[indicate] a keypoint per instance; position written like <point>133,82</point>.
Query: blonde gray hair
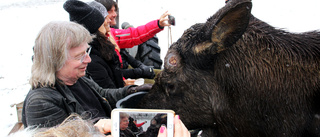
<point>124,115</point>
<point>72,126</point>
<point>51,50</point>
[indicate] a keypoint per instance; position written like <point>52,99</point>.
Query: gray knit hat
<point>99,7</point>
<point>84,14</point>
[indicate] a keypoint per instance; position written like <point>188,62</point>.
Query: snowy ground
<point>21,20</point>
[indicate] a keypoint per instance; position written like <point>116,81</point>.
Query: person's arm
<point>114,95</point>
<point>111,94</point>
<point>44,108</point>
<point>144,72</point>
<point>140,124</point>
<point>130,59</point>
<point>131,73</point>
<point>139,69</point>
<point>127,38</point>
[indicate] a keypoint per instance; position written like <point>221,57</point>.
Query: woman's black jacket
<point>106,73</point>
<point>47,107</point>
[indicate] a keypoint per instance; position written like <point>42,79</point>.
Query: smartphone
<point>141,122</point>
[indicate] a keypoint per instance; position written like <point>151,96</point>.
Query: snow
<point>21,21</point>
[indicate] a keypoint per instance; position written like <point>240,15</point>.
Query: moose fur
<point>237,76</point>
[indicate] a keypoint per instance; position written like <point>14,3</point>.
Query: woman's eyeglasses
<point>84,56</point>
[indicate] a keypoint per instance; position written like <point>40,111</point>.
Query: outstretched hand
<point>163,21</point>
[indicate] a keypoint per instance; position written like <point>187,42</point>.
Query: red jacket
<point>140,124</point>
<point>127,38</point>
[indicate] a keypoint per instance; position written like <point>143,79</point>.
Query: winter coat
<point>47,107</point>
<point>127,38</point>
<point>106,74</point>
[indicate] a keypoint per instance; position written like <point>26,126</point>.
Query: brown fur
<point>238,76</point>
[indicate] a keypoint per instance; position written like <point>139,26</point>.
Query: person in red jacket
<point>127,38</point>
<point>112,9</point>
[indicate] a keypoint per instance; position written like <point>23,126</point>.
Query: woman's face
<point>76,64</point>
<point>103,28</point>
<point>124,123</point>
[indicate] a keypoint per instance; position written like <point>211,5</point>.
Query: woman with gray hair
<point>72,126</point>
<point>59,83</point>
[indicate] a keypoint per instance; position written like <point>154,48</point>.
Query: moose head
<point>236,75</point>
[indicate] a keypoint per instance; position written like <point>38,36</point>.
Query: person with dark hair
<point>105,62</point>
<point>127,38</point>
<point>112,8</point>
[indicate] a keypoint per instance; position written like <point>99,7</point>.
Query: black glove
<point>147,72</point>
<point>144,87</point>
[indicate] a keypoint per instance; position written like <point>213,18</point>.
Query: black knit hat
<point>84,14</point>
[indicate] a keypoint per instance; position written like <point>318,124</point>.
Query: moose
<point>237,76</point>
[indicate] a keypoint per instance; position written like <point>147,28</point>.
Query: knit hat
<point>84,14</point>
<point>99,7</point>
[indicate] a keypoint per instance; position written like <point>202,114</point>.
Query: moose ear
<point>228,26</point>
<point>231,26</point>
